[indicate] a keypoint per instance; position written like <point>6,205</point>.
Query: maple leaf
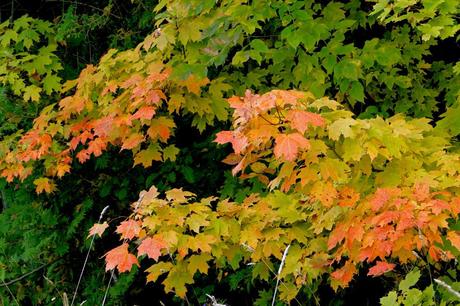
<point>194,85</point>
<point>44,184</point>
<point>454,238</point>
<point>421,191</point>
<point>160,128</point>
<point>287,145</point>
<point>344,275</point>
<point>147,156</point>
<point>145,112</point>
<point>120,258</point>
<point>382,196</point>
<point>83,156</point>
<point>98,229</point>
<point>129,229</point>
<point>96,146</point>
<point>342,127</point>
<point>62,169</point>
<point>178,195</point>
<point>152,246</point>
<point>132,141</point>
<point>111,87</point>
<point>238,141</point>
<point>380,268</point>
<point>158,269</point>
<point>300,119</point>
<point>199,263</point>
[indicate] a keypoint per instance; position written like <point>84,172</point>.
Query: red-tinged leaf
<point>152,247</point>
<point>336,236</point>
<point>111,87</point>
<point>454,238</point>
<point>345,274</point>
<point>132,141</point>
<point>160,128</point>
<point>238,141</point>
<point>380,268</point>
<point>97,146</point>
<point>382,196</point>
<point>145,112</point>
<point>300,119</point>
<point>129,229</point>
<point>288,145</point>
<point>421,191</point>
<point>103,126</point>
<point>434,253</point>
<point>83,156</point>
<point>98,229</point>
<point>44,184</point>
<point>120,258</point>
<point>224,137</point>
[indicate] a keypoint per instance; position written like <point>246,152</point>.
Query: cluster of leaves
<point>406,295</point>
<point>305,45</point>
<point>29,65</point>
<point>432,18</point>
<point>343,194</point>
<point>333,209</point>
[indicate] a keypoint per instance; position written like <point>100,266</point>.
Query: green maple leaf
<point>357,91</point>
<point>170,152</point>
<point>199,263</point>
<point>32,93</point>
<point>342,127</point>
<point>177,278</point>
<point>28,37</point>
<point>147,156</point>
<point>8,36</point>
<point>51,83</point>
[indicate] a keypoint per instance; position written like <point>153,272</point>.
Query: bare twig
<point>87,256</point>
<point>11,293</point>
<point>448,287</point>
<point>283,259</point>
<point>5,284</point>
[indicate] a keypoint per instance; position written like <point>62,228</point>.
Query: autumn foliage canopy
<point>335,155</point>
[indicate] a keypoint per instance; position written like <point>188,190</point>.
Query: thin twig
<point>11,293</point>
<point>5,284</point>
<point>87,256</point>
<point>448,287</point>
<point>113,270</point>
<point>283,259</point>
<point>108,287</point>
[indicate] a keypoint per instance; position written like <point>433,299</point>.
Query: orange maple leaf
<point>145,112</point>
<point>239,141</point>
<point>300,119</point>
<point>120,258</point>
<point>152,247</point>
<point>382,196</point>
<point>129,229</point>
<point>287,145</point>
<point>132,141</point>
<point>62,169</point>
<point>380,268</point>
<point>97,229</point>
<point>345,274</point>
<point>454,238</point>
